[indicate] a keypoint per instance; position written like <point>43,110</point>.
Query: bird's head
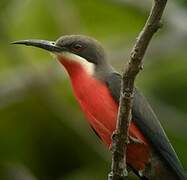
<point>74,50</point>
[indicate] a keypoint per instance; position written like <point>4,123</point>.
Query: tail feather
<point>158,169</point>
<point>183,176</point>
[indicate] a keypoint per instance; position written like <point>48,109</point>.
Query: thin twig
<point>120,136</point>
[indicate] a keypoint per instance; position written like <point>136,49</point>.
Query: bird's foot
<point>133,140</point>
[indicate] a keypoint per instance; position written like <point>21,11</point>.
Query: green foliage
<point>183,2</point>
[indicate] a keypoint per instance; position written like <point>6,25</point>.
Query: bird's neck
<point>74,69</point>
<point>83,74</point>
<point>74,63</point>
<point>94,99</point>
<point>81,79</point>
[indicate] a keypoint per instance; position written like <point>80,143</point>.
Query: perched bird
<point>96,86</point>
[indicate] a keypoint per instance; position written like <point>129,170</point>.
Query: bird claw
<point>133,140</point>
<point>130,140</point>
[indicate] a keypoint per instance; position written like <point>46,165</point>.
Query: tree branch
<point>120,136</point>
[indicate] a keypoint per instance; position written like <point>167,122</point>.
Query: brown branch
<point>120,136</point>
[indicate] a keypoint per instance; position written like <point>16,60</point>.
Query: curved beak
<point>43,44</point>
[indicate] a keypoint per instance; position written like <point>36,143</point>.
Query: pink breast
<point>101,111</point>
<point>96,102</point>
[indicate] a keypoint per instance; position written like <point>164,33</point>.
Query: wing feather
<point>149,124</point>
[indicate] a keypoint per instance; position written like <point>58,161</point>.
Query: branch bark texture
<point>135,64</point>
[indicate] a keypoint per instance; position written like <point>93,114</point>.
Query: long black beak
<point>43,44</point>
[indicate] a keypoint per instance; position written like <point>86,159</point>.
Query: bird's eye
<point>77,47</point>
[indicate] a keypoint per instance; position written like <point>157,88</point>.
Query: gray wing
<point>148,123</point>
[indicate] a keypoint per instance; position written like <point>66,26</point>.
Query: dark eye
<point>77,47</point>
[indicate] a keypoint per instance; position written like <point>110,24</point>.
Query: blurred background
<point>43,134</point>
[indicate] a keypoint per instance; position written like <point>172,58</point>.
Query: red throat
<point>91,93</point>
<point>101,111</point>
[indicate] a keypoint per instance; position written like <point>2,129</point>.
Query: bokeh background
<point>43,134</point>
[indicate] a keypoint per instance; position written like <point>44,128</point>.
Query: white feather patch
<point>88,66</point>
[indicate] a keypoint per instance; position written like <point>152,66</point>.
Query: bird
<point>96,86</point>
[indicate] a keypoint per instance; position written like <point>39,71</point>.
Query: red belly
<point>101,111</point>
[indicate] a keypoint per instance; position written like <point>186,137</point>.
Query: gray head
<point>83,46</point>
<point>82,49</point>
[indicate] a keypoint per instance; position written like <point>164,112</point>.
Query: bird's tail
<point>164,176</point>
<point>159,170</point>
<point>183,176</point>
